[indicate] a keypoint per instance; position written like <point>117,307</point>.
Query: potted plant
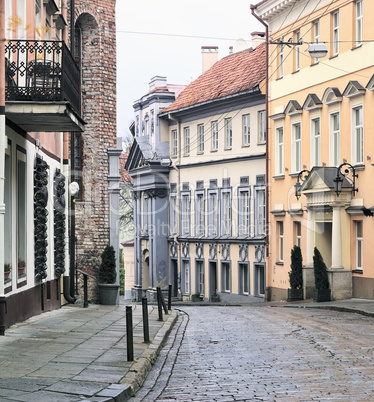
<point>108,288</point>
<point>21,267</point>
<point>296,275</point>
<point>7,269</point>
<point>322,291</point>
<point>214,297</point>
<point>196,297</point>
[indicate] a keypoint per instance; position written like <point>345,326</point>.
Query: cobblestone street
<point>264,354</point>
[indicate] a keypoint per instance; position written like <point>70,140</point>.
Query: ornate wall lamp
<point>300,179</point>
<point>344,173</point>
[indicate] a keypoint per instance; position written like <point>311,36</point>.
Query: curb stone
<point>140,368</point>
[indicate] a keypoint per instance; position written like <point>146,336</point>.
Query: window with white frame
<point>212,212</point>
<point>260,211</point>
<point>358,135</point>
<point>201,137</point>
<point>316,35</point>
<point>21,17</point>
<point>359,245</point>
<point>186,140</point>
<point>173,214</point>
<point>200,277</point>
<point>226,277</point>
<point>243,211</point>
<point>281,59</point>
<point>297,227</point>
<point>335,139</point>
<point>175,143</point>
<point>335,33</point>
<point>359,17</point>
<point>8,208</point>
<point>280,241</point>
<point>21,208</point>
<point>296,148</point>
<point>262,127</point>
<point>214,135</point>
<point>246,129</point>
<point>186,276</point>
<point>244,278</point>
<point>225,212</point>
<point>199,214</point>
<point>228,128</point>
<point>185,213</point>
<point>316,142</point>
<point>297,51</point>
<point>279,158</point>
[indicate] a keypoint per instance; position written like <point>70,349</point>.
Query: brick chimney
<point>209,55</point>
<point>257,38</point>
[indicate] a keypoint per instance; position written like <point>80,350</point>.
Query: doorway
<point>213,282</point>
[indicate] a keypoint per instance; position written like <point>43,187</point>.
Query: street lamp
<point>301,178</point>
<point>317,50</point>
<point>338,181</point>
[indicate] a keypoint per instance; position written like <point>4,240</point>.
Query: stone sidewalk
<point>75,354</point>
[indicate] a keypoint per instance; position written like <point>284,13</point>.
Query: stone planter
<point>322,295</point>
<point>295,295</point>
<point>109,293</point>
<point>196,298</point>
<point>214,298</point>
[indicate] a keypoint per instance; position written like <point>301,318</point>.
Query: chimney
<point>257,38</point>
<point>209,55</point>
<point>231,51</point>
<point>157,82</point>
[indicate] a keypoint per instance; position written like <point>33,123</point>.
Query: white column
<point>336,246</point>
<point>310,238</point>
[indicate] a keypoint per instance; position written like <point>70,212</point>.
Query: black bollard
<point>159,304</point>
<point>169,298</point>
<point>145,320</point>
<point>85,291</point>
<point>129,334</point>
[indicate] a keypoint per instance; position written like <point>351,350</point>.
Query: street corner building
<point>200,200</point>
<point>319,143</point>
<point>49,53</point>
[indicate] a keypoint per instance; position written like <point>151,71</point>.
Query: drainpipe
<point>2,160</point>
<point>178,192</point>
<point>253,7</point>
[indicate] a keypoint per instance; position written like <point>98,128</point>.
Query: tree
<point>320,271</point>
<point>107,271</point>
<point>126,202</point>
<point>296,273</point>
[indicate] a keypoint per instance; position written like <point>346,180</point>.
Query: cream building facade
<point>320,118</point>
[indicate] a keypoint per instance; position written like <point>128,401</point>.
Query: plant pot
<point>295,294</point>
<point>108,293</point>
<point>322,295</point>
<point>196,298</point>
<point>6,275</point>
<point>21,270</point>
<point>215,298</point>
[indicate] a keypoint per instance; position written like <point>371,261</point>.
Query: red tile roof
<point>238,72</point>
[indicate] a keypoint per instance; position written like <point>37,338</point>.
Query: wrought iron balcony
<point>42,72</point>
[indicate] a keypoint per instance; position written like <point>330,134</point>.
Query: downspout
<point>253,7</point>
<point>178,195</point>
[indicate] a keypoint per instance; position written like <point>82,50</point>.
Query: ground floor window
<point>260,280</point>
<point>186,276</point>
<point>244,278</point>
<point>226,277</point>
<point>359,248</point>
<point>200,285</point>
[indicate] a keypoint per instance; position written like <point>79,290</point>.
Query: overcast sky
<point>142,56</point>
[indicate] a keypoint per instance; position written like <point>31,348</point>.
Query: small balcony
<point>42,89</point>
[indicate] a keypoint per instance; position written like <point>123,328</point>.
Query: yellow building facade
<point>320,118</point>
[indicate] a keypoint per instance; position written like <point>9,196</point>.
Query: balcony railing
<point>41,71</point>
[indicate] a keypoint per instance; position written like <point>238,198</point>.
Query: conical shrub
<point>107,271</point>
<point>296,273</point>
<point>320,271</point>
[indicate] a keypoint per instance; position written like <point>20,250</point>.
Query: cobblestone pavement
<point>264,354</point>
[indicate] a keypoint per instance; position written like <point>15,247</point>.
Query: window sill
<point>279,263</point>
<point>200,153</point>
<point>314,64</point>
<point>296,71</point>
<point>293,174</point>
<point>359,167</point>
<point>357,47</point>
<point>279,78</point>
<point>228,149</point>
<point>245,145</point>
<point>357,271</point>
<point>333,57</point>
<point>278,177</point>
<point>214,150</point>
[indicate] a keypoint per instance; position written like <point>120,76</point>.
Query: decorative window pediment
<point>312,102</point>
<point>293,108</point>
<point>277,116</point>
<point>370,84</point>
<point>354,88</point>
<point>332,95</point>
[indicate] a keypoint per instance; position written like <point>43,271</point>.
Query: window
<point>262,126</point>
<point>260,212</point>
<point>279,164</point>
<point>8,13</point>
<point>280,241</point>
<point>297,51</point>
<point>359,23</point>
<point>214,135</point>
<point>173,214</point>
<point>358,135</point>
<point>200,277</point>
<point>8,208</point>
<point>175,143</point>
<point>335,138</point>
<point>226,277</point>
<point>244,278</point>
<point>335,33</point>
<point>213,213</point>
<point>228,125</point>
<point>296,147</point>
<point>225,212</point>
<point>199,214</point>
<point>246,130</point>
<point>316,35</point>
<point>186,140</point>
<point>21,16</point>
<point>243,209</point>
<point>185,213</point>
<point>201,137</point>
<point>21,208</point>
<point>186,276</point>
<point>297,227</point>
<point>281,58</point>
<point>78,157</point>
<point>316,142</point>
<point>359,245</point>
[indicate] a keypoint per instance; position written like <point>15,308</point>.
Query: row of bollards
<point>129,329</point>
